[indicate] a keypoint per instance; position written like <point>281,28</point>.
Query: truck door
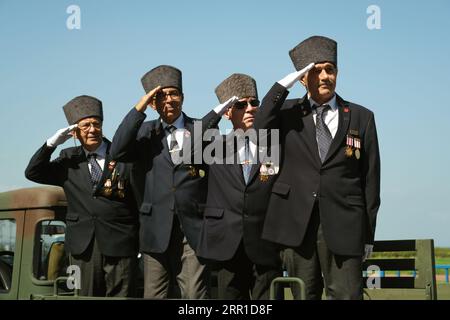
<point>11,242</point>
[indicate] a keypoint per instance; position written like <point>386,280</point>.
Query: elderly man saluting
<point>171,191</point>
<point>102,221</point>
<point>324,203</point>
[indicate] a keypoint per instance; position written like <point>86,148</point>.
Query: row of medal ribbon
<point>353,147</point>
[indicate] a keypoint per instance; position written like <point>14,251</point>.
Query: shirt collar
<point>100,151</point>
<point>332,102</point>
<point>178,123</point>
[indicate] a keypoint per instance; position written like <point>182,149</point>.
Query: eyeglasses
<point>244,104</point>
<point>163,96</point>
<point>86,125</point>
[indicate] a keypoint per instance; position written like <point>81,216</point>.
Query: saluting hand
<point>142,105</point>
<point>223,107</point>
<point>61,136</point>
<point>293,77</point>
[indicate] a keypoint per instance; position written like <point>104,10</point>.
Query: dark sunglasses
<point>244,104</point>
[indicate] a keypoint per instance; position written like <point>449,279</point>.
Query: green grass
<point>442,256</point>
<point>442,253</point>
<point>442,260</point>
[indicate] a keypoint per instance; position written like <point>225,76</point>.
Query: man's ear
<point>75,134</point>
<point>303,80</point>
<point>228,114</point>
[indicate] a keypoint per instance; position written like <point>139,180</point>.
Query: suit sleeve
<point>371,178</point>
<point>268,116</point>
<point>41,170</point>
<point>209,121</point>
<point>125,142</point>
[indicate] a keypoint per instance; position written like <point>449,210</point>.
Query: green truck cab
<point>33,262</point>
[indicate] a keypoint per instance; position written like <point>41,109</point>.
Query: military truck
<point>33,261</point>
<point>34,264</point>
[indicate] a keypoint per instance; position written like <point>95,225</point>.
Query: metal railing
<point>445,267</point>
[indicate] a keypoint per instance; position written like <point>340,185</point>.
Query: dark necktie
<point>96,171</point>
<point>323,134</point>
<point>173,140</point>
<point>175,151</point>
<point>246,166</point>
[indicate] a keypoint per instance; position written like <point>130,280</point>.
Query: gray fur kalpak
<point>83,107</point>
<point>164,76</point>
<point>238,84</point>
<point>315,49</point>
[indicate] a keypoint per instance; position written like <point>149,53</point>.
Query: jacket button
<point>314,194</point>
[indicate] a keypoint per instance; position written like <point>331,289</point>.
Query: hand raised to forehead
<point>61,136</point>
<point>147,99</point>
<point>223,107</point>
<point>293,77</point>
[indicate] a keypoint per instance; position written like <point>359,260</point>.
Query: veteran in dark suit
<point>325,200</point>
<point>238,195</point>
<point>102,219</point>
<point>171,189</point>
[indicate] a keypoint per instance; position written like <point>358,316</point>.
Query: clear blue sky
<point>401,72</point>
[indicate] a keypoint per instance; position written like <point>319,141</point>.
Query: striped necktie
<point>323,134</point>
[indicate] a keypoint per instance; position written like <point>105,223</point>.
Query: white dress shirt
<point>179,133</point>
<point>331,117</point>
<point>101,155</point>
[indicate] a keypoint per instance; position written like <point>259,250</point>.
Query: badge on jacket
<point>353,145</point>
<point>114,186</point>
<point>267,169</point>
<point>193,172</point>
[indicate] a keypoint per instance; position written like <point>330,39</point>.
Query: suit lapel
<point>161,132</point>
<point>344,121</point>
<point>188,126</point>
<point>188,123</point>
<point>237,164</point>
<point>310,129</point>
<point>253,171</point>
<point>236,168</point>
<point>84,174</point>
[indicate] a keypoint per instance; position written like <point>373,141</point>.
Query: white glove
<point>293,77</point>
<point>61,136</point>
<point>223,107</point>
<point>368,249</point>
